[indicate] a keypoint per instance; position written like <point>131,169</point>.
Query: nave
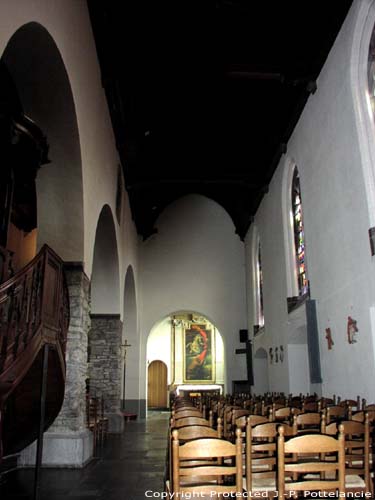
<point>125,467</point>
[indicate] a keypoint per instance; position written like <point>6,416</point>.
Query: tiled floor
<point>125,468</point>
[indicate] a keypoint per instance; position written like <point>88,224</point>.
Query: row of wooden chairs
<point>97,422</point>
<point>262,450</point>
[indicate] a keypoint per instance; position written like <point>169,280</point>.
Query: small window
<point>260,288</point>
<point>119,193</point>
<point>371,72</point>
<point>299,235</point>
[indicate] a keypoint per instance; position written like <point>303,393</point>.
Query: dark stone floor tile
<point>124,468</point>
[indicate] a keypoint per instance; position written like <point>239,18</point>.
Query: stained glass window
<point>299,235</point>
<point>371,71</point>
<point>260,288</point>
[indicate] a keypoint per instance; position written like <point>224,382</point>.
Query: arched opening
<point>48,206</point>
<point>192,349</point>
<point>35,65</point>
<point>24,150</point>
<point>130,400</point>
<point>104,340</point>
<point>261,380</point>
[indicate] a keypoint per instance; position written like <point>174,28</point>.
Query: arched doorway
<point>104,339</point>
<point>157,384</point>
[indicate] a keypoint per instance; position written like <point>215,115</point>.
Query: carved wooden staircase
<point>34,319</point>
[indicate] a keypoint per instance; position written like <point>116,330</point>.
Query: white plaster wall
<point>325,148</point>
<point>269,222</point>
<point>299,378</point>
<point>260,371</point>
<point>196,263</point>
<point>159,345</point>
<point>68,23</point>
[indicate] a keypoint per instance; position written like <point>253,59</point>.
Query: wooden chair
<point>301,475</point>
<point>357,453</point>
<point>241,422</point>
<point>205,480</point>
<point>190,433</point>
<point>308,422</point>
<point>335,413</point>
<point>227,419</point>
<point>282,414</point>
<point>231,427</point>
<point>261,457</point>
<point>103,422</point>
<point>312,407</point>
<point>93,418</point>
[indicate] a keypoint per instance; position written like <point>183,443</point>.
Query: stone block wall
<point>105,365</point>
<point>73,413</point>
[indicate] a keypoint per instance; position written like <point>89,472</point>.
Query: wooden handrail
<point>34,310</point>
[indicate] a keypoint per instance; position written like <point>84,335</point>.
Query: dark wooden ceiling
<point>204,95</point>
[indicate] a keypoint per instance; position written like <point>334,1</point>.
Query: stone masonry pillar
<point>68,442</point>
<point>105,366</point>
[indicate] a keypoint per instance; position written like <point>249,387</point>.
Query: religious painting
<point>199,362</point>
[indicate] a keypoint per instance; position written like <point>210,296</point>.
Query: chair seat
<point>351,480</point>
<point>263,484</point>
<point>354,481</point>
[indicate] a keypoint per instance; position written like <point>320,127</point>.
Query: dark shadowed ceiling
<point>204,95</point>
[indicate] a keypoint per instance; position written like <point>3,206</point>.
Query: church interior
<point>175,187</point>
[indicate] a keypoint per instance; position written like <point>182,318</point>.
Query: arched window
<point>256,282</point>
<point>260,288</point>
<point>371,72</point>
<point>299,235</point>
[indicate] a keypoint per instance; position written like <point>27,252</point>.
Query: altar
<point>198,389</point>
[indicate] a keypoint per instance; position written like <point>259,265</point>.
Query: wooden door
<point>157,384</point>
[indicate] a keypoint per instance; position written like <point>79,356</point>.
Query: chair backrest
<point>308,422</point>
<point>301,472</point>
<point>335,413</point>
<point>197,432</point>
<point>186,413</point>
<point>313,406</point>
<point>241,422</point>
<point>357,451</point>
<point>282,413</point>
<point>260,451</point>
<point>216,477</point>
<point>183,422</point>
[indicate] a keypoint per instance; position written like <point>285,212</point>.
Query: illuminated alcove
<point>191,349</point>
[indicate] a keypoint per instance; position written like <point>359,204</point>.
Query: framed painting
<point>199,354</point>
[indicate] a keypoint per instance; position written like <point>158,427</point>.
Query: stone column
<point>68,442</point>
<point>105,365</point>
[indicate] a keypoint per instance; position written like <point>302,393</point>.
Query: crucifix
<point>249,361</point>
<point>124,346</point>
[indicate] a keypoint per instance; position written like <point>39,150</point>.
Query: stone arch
<point>261,378</point>
<point>130,362</point>
<point>105,288</point>
<point>104,340</point>
<point>364,26</point>
<point>38,71</point>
